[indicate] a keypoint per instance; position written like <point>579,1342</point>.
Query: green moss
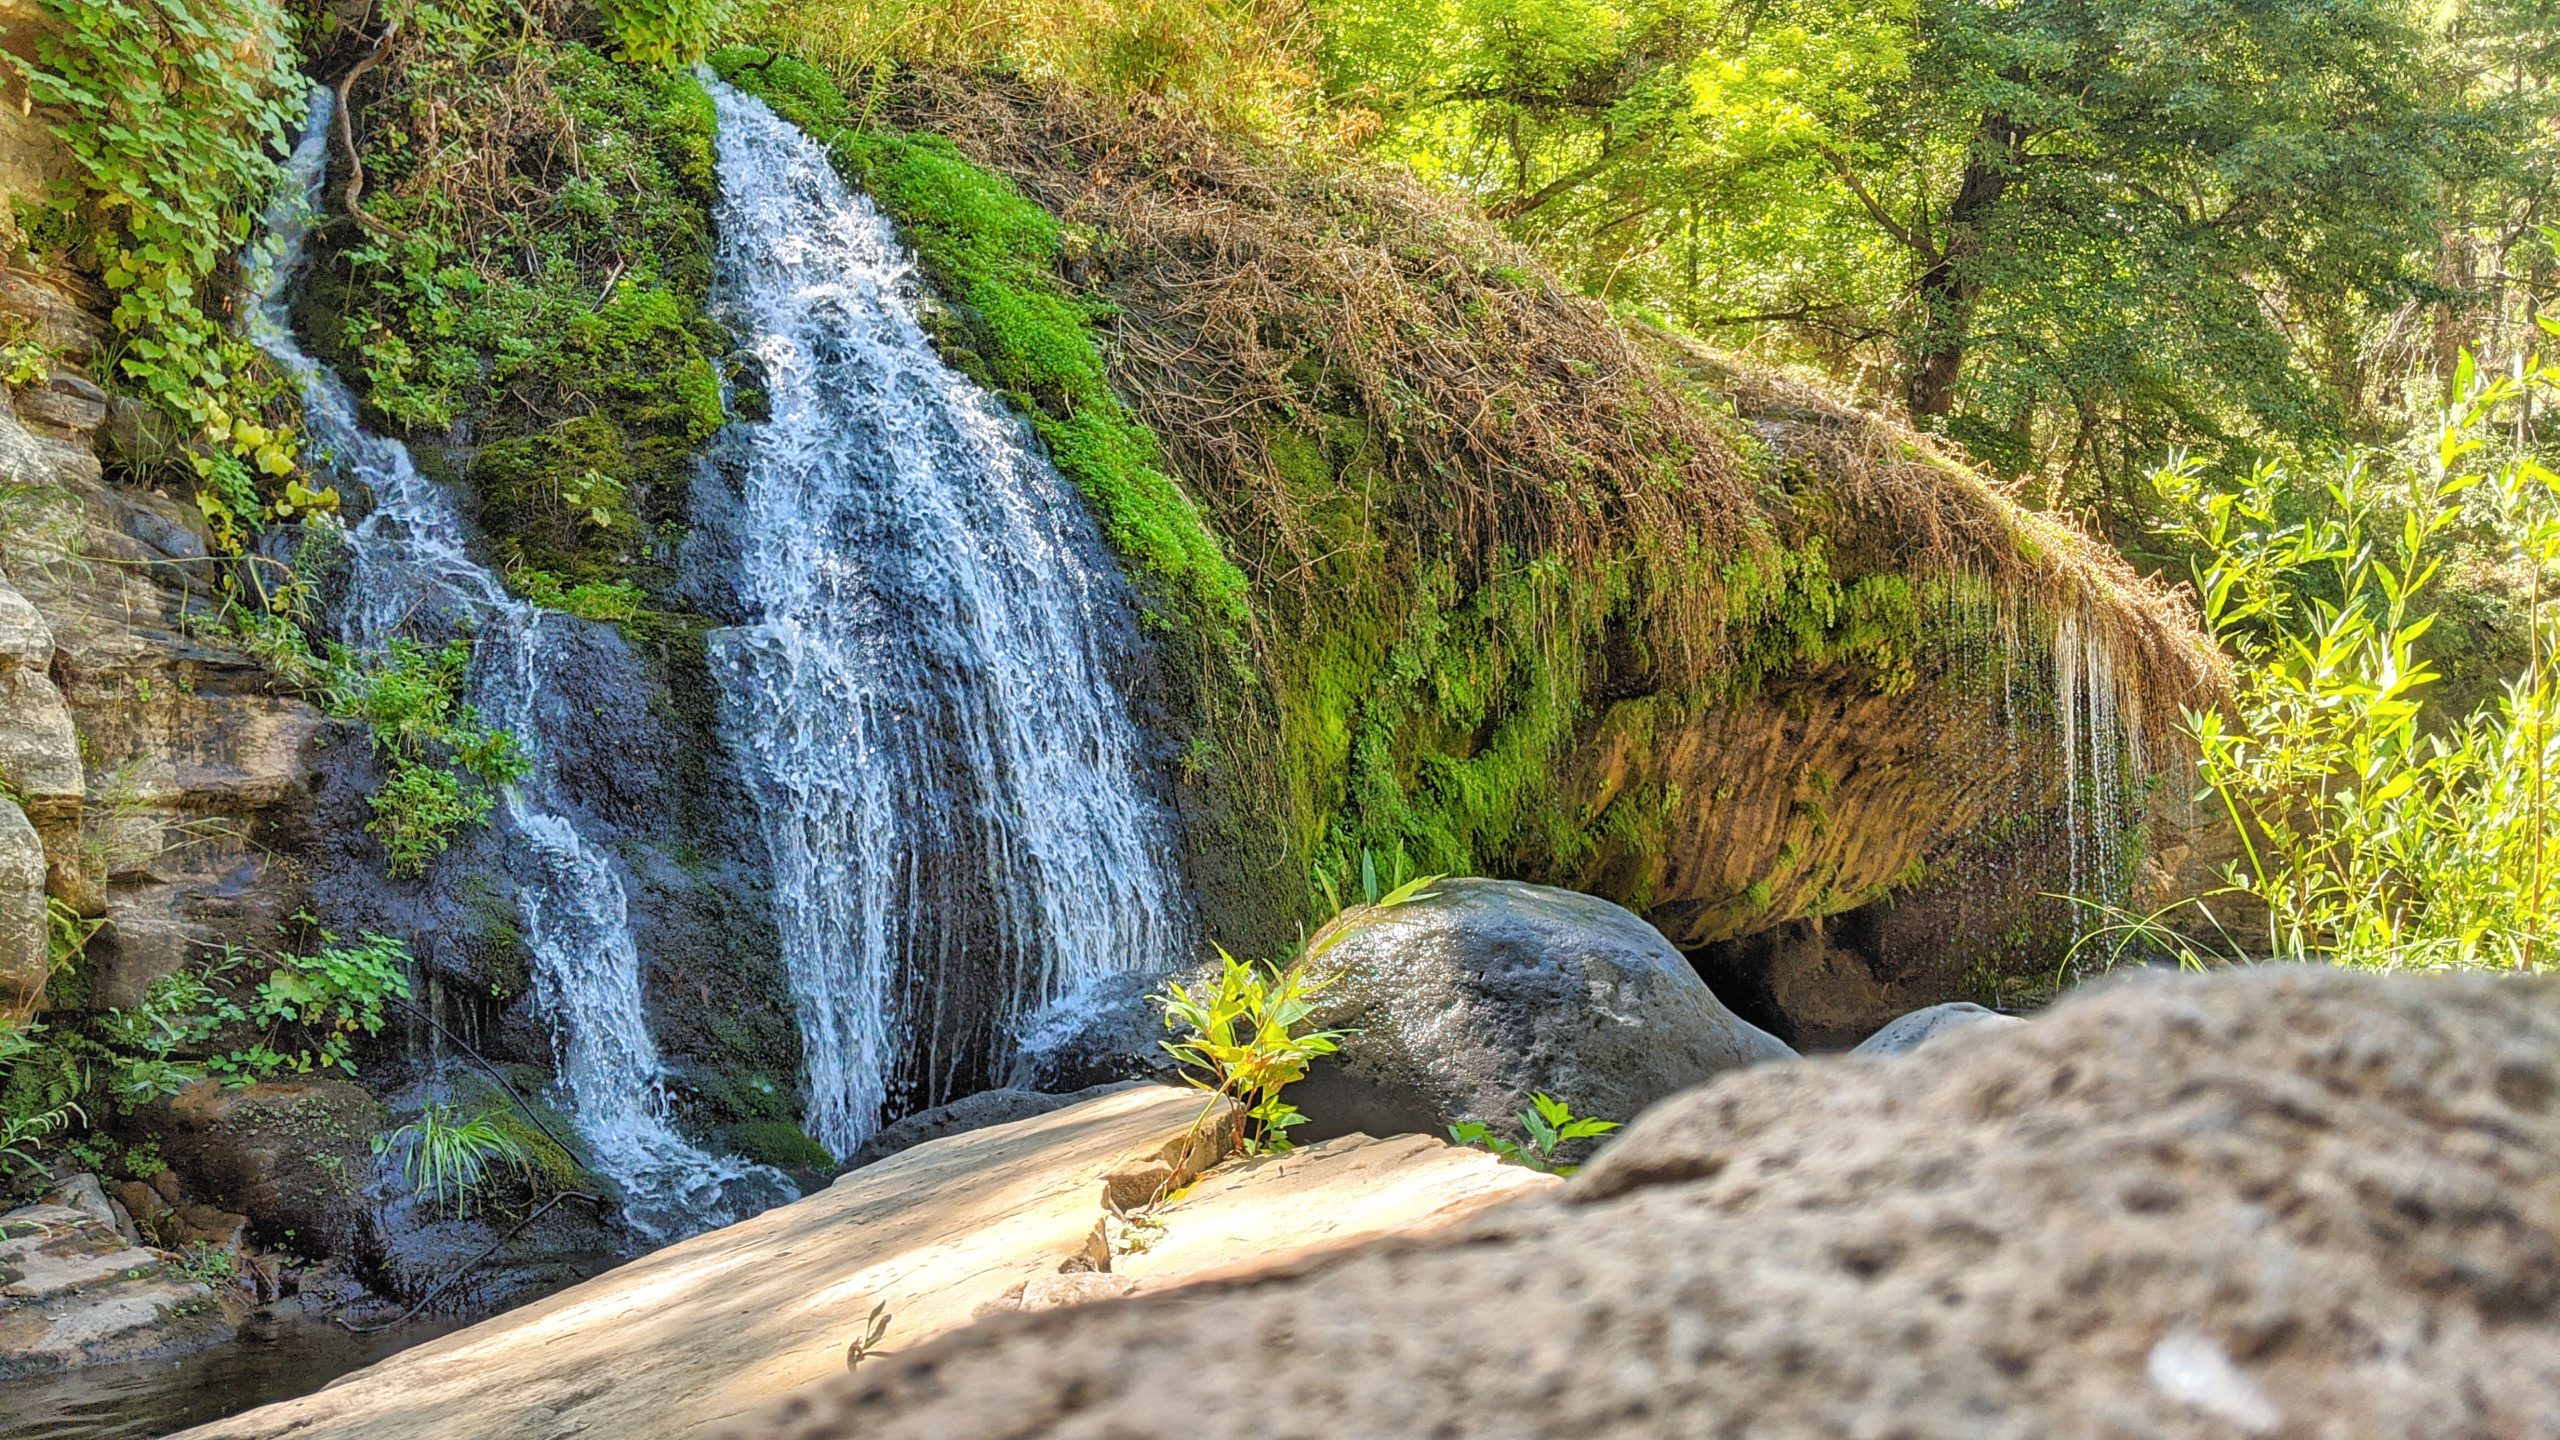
<point>778,1143</point>
<point>568,338</point>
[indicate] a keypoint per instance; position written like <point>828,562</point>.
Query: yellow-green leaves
<point>174,112</point>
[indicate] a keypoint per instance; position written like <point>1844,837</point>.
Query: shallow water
<point>273,1360</point>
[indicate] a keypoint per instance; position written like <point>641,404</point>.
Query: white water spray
<point>946,777</point>
<point>409,570</point>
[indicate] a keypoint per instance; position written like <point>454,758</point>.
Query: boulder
<point>73,1292</point>
<point>290,1155</point>
<point>2278,1202</point>
<point>1469,1000</point>
<point>1910,1032</point>
<point>83,1193</point>
<point>971,1112</point>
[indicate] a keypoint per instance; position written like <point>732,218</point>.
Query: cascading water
<point>409,570</point>
<point>922,696</point>
<point>2102,758</point>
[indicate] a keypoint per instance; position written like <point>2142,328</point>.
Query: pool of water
<point>272,1360</point>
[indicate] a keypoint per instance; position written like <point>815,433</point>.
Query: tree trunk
<point>1949,286</point>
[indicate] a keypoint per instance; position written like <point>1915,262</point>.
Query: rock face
<point>2279,1203</point>
<point>1910,1032</point>
<point>166,787</point>
<point>999,1219</point>
<point>74,1292</point>
<point>1467,1001</point>
<point>291,1155</point>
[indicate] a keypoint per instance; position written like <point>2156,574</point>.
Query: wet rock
<point>73,1292</point>
<point>2289,1201</point>
<point>974,1112</point>
<point>1918,1028</point>
<point>291,1156</point>
<point>1104,1030</point>
<point>1465,1003</point>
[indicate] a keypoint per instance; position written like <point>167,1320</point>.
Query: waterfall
<point>922,695</point>
<point>410,569</point>
<point>2099,712</point>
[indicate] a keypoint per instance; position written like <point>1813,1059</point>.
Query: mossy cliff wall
<point>1522,592</point>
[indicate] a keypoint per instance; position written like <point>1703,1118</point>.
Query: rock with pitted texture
<point>2280,1203</point>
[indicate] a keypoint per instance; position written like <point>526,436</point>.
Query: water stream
<point>947,779</point>
<point>410,572</point>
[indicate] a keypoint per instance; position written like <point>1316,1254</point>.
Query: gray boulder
<point>1468,1001</point>
<point>1910,1032</point>
<point>1465,1004</point>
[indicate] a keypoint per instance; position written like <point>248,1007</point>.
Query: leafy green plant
<point>1550,1125</point>
<point>662,32</point>
<point>444,764</point>
<point>34,1106</point>
<point>209,1264</point>
<point>2370,836</point>
<point>1242,1040</point>
<point>610,601</point>
<point>448,1160</point>
<point>172,111</point>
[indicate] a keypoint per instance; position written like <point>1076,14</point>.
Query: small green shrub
<point>209,1264</point>
<point>37,1102</point>
<point>304,1015</point>
<point>443,764</point>
<point>662,32</point>
<point>448,1161</point>
<point>1550,1125</point>
<point>2370,835</point>
<point>1242,1040</point>
<point>611,601</point>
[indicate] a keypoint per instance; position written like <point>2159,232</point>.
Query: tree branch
<point>1917,244</point>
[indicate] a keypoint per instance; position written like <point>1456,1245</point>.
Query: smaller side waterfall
<point>410,571</point>
<point>948,783</point>
<point>2101,754</point>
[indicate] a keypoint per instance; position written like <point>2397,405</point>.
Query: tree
<point>2068,229</point>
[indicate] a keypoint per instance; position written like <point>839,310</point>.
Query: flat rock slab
<point>1256,1214</point>
<point>73,1292</point>
<point>708,1331</point>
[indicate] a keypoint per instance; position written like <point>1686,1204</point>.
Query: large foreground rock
<point>997,1220</point>
<point>1466,1002</point>
<point>2281,1203</point>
